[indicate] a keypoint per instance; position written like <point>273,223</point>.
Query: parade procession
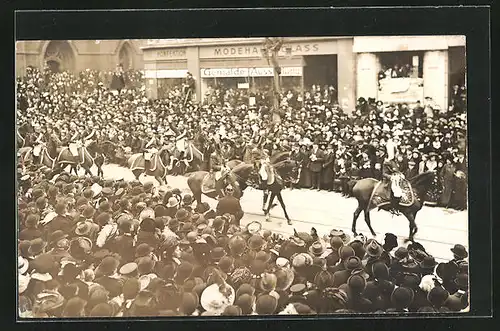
<point>259,176</point>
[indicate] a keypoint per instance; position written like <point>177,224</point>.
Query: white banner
<point>249,72</point>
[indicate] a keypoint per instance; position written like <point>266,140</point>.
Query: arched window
<point>59,56</point>
<point>125,56</point>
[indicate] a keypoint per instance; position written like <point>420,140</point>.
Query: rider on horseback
<point>180,144</point>
<point>392,177</point>
<point>263,165</point>
<point>149,149</point>
<point>79,140</point>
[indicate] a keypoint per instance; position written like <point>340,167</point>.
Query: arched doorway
<point>59,56</point>
<point>125,56</point>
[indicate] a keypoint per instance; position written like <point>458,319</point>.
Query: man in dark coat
<point>316,165</point>
<point>231,205</point>
<point>328,164</point>
<point>460,196</point>
<point>118,80</point>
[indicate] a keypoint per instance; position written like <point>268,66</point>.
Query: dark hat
<point>411,280</point>
<point>36,246</point>
<point>460,251</point>
<point>438,296</point>
<point>317,248</point>
<point>102,310</point>
<point>401,253</point>
<point>263,256</point>
<point>298,289</point>
<point>380,270</point>
<point>143,250</point>
<point>391,240</point>
<point>107,266</point>
<point>56,236</point>
<point>429,262</point>
<point>237,245</point>
<point>339,233</point>
<point>345,252</point>
<point>374,249</point>
<point>336,242</point>
<point>352,263</point>
<point>402,297</point>
<point>266,305</point>
<point>182,215</point>
<point>44,263</point>
<point>356,283</point>
<point>217,253</point>
<point>74,307</point>
<point>324,279</point>
<point>255,242</point>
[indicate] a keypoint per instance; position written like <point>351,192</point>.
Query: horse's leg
<point>264,200</point>
<point>266,211</point>
<point>282,203</point>
<point>160,180</point>
<point>87,170</point>
<point>355,218</point>
<point>412,225</point>
<point>368,221</point>
<point>136,173</point>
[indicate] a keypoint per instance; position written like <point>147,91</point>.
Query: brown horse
<point>195,183</point>
<point>64,157</point>
<point>157,166</point>
<point>197,157</point>
<point>247,174</point>
<point>363,192</point>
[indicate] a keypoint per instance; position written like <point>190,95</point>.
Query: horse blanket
<point>381,194</point>
<point>209,183</point>
<point>140,163</point>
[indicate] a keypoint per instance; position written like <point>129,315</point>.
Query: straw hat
<point>214,301</point>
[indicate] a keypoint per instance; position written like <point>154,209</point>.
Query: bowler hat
<point>402,297</point>
<point>460,251</point>
<point>255,242</point>
<point>56,236</point>
<point>317,248</point>
<point>36,246</point>
<point>374,249</point>
<point>352,263</point>
<point>429,262</point>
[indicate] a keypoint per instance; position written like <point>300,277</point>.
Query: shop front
<point>240,63</point>
<point>407,69</point>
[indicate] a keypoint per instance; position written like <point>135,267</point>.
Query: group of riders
<point>217,158</point>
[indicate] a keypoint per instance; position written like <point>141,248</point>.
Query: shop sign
<point>291,49</point>
<point>248,72</point>
<point>396,90</point>
<point>165,54</point>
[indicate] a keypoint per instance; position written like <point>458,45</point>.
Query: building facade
<point>78,55</point>
<point>422,67</point>
<point>241,63</point>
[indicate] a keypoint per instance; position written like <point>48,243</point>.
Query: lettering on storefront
<point>249,72</point>
<point>286,50</point>
<point>171,53</point>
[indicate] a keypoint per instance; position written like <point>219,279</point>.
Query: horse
<point>247,174</point>
<point>195,156</point>
<point>195,182</point>
<point>278,157</point>
<point>364,191</point>
<point>114,152</point>
<point>84,159</point>
<point>157,165</point>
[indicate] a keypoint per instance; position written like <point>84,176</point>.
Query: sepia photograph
<point>242,176</point>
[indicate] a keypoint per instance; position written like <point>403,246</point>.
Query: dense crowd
<point>90,247</point>
<point>351,145</point>
<point>99,248</point>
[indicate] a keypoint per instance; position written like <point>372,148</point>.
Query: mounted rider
<point>262,164</point>
<point>80,140</point>
<point>392,177</point>
<point>149,150</point>
<point>180,144</point>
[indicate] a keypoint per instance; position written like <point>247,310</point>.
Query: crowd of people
<point>90,247</point>
<point>346,145</point>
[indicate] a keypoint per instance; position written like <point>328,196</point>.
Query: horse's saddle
<point>209,183</point>
<point>153,160</point>
<point>382,193</point>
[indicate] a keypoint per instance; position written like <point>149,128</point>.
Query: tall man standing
<point>316,165</point>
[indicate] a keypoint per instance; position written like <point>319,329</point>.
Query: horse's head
<point>288,170</point>
<point>423,182</point>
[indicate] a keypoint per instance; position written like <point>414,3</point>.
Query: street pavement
<point>438,228</point>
